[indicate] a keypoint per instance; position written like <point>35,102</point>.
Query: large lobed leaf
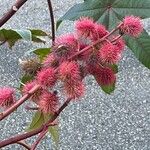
<point>141,48</point>
<point>110,12</point>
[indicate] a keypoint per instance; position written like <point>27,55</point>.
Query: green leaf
<point>40,52</point>
<point>108,11</point>
<point>54,132</point>
<point>38,40</point>
<point>25,34</point>
<point>140,47</point>
<point>108,89</point>
<point>37,121</point>
<point>132,7</point>
<point>13,35</point>
<point>9,36</point>
<point>38,32</point>
<point>114,68</point>
<point>25,79</point>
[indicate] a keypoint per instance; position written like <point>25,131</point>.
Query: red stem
<point>41,136</point>
<point>19,102</point>
<point>117,38</point>
<point>11,12</point>
<point>23,136</point>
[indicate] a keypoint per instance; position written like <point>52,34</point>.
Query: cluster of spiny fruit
<point>91,50</point>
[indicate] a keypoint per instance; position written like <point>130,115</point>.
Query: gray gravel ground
<point>97,122</point>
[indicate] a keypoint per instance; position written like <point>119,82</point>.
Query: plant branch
<point>24,145</point>
<point>117,38</point>
<point>11,12</point>
<point>23,136</point>
<point>41,136</point>
<point>19,102</point>
<point>52,19</point>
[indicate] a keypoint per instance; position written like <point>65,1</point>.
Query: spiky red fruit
<point>85,27</point>
<point>50,61</point>
<point>65,46</point>
<point>69,73</point>
<point>132,26</point>
<point>104,76</point>
<point>46,77</point>
<point>48,102</point>
<point>69,70</point>
<point>100,31</point>
<point>68,39</point>
<point>74,89</point>
<point>109,54</point>
<point>120,45</point>
<point>6,97</point>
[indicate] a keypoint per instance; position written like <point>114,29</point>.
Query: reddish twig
<point>19,102</point>
<point>11,12</point>
<point>52,19</point>
<point>41,136</point>
<point>24,145</point>
<point>117,38</point>
<point>23,136</point>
